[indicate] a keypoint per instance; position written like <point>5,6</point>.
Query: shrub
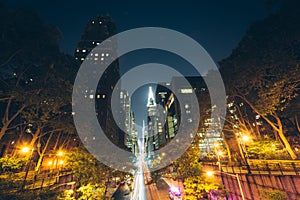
<point>272,195</point>
<point>12,164</point>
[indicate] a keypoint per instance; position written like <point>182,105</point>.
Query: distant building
<point>169,102</point>
<point>133,139</point>
<point>152,122</point>
<point>96,31</point>
<point>208,137</point>
<point>167,126</point>
<point>164,114</point>
<point>125,105</point>
<point>130,138</point>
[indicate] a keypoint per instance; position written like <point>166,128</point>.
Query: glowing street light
<point>50,163</point>
<point>60,153</point>
<point>242,139</point>
<point>58,161</point>
<point>25,150</point>
<point>210,173</point>
<point>245,138</point>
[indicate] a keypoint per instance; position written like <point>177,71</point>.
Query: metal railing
<point>276,167</point>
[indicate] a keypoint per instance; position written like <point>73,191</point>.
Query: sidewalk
<point>163,190</point>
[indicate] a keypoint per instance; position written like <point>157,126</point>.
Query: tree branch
<point>272,124</point>
<point>10,58</point>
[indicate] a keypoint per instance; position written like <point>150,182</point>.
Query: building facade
<point>167,99</point>
<point>131,134</point>
<point>97,30</point>
<point>152,121</point>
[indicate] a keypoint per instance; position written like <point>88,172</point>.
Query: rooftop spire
<point>151,100</point>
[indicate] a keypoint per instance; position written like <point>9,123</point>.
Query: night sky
<point>217,25</point>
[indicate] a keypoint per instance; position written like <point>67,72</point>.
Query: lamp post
<point>59,154</point>
<point>211,173</point>
<point>26,150</point>
<point>245,138</point>
<point>219,153</point>
<point>241,140</point>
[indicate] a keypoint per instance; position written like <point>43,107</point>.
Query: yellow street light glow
<point>220,153</point>
<point>245,138</point>
<point>60,153</point>
<point>49,162</point>
<point>61,162</point>
<point>25,150</point>
<point>209,173</point>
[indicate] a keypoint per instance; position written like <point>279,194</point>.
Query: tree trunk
<point>3,130</point>
<point>285,141</point>
<point>39,163</point>
<point>297,124</point>
<point>35,137</point>
<point>228,151</point>
<point>241,151</point>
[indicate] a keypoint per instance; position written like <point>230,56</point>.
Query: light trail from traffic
<point>139,191</point>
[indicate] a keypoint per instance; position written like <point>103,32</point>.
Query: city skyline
<point>206,31</point>
<point>147,114</point>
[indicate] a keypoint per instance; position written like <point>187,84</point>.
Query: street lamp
<point>242,139</point>
<point>60,153</point>
<point>219,153</point>
<point>59,163</point>
<point>211,173</point>
<point>245,138</point>
<point>25,150</point>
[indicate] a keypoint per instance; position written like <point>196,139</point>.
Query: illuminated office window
<point>186,90</point>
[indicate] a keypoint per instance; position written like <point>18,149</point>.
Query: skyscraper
<point>96,31</point>
<point>155,121</point>
<point>168,125</point>
<point>152,120</point>
<point>173,113</point>
<point>209,130</point>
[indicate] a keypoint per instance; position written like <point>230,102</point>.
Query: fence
<point>265,174</point>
